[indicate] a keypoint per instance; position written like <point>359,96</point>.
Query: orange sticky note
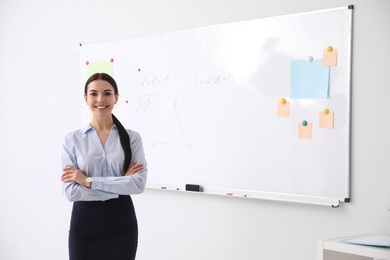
<point>304,132</point>
<point>326,121</point>
<point>329,58</point>
<point>283,110</point>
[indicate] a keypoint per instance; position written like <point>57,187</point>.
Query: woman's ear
<point>116,98</point>
<point>85,98</point>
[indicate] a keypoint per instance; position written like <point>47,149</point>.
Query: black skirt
<point>103,230</point>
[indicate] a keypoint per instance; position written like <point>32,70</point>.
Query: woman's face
<point>100,97</point>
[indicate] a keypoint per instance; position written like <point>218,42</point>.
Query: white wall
<point>39,97</point>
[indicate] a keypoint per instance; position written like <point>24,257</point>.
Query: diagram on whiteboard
<point>144,103</point>
<point>173,132</point>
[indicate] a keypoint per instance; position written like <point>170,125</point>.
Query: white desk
<point>333,249</point>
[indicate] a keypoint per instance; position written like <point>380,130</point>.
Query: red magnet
<point>139,69</point>
<point>112,60</point>
<point>87,63</point>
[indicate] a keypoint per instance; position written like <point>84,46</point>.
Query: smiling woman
<point>102,165</point>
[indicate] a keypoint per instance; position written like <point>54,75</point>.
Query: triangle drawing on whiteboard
<point>173,132</point>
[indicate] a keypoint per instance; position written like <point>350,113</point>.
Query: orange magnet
<point>326,111</point>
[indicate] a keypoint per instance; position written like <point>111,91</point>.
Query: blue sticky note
<point>309,79</point>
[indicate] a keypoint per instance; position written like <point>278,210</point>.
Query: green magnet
<point>304,123</point>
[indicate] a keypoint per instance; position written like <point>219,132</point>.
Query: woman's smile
<point>101,107</point>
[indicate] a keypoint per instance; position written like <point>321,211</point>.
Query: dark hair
<point>123,135</point>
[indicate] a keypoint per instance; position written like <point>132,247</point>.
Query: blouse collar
<point>88,128</point>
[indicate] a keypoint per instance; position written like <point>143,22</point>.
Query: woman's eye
<point>93,94</point>
<point>108,94</point>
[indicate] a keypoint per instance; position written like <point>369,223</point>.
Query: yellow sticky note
<point>304,132</point>
<point>326,120</point>
<point>329,58</point>
<point>100,67</point>
<point>283,110</point>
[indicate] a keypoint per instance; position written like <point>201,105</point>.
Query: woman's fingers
<point>67,174</point>
<point>138,166</point>
<point>64,174</point>
<point>131,166</point>
<point>72,174</point>
<point>134,168</point>
<point>67,177</point>
<point>69,168</point>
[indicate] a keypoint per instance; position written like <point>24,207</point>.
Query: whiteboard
<point>204,101</point>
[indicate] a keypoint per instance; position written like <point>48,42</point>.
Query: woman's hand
<point>73,174</point>
<point>134,168</point>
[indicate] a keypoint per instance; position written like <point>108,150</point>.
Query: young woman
<point>103,164</point>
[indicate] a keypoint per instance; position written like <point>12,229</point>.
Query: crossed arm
<point>72,174</point>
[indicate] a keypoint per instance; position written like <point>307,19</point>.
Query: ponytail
<point>123,135</point>
<point>125,142</point>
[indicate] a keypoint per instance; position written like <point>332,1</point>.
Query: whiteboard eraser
<point>193,187</point>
